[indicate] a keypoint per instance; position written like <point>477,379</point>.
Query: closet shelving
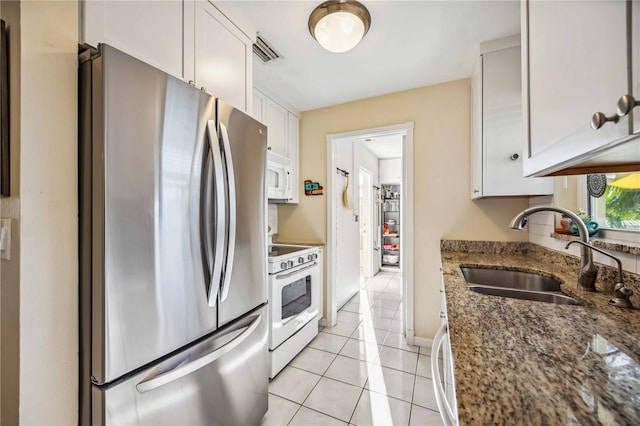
<point>391,225</point>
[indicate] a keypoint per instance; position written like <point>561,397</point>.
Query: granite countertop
<point>525,362</point>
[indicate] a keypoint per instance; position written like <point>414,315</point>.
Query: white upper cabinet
<point>390,170</point>
<point>148,30</point>
<point>222,61</point>
<point>189,39</point>
<point>293,137</point>
<point>259,103</point>
<point>275,118</point>
<point>575,64</point>
<point>497,140</point>
<point>283,134</point>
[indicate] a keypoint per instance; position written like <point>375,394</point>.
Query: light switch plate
<point>5,239</point>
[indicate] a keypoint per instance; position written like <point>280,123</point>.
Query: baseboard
<point>423,342</point>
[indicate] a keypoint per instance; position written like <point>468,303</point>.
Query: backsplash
<point>541,226</point>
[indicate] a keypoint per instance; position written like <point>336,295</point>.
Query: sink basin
<point>538,296</point>
<point>516,285</point>
<point>510,279</point>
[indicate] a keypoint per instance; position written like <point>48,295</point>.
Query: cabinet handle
<point>515,156</point>
<point>626,104</point>
<point>268,148</point>
<point>475,191</point>
<point>599,119</point>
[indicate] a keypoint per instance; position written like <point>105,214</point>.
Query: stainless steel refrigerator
<point>173,325</point>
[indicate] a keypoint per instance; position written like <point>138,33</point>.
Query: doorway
<point>337,146</point>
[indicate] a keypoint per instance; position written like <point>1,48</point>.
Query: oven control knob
<point>310,257</point>
<point>283,265</point>
<point>315,255</point>
<point>301,260</point>
<point>290,263</point>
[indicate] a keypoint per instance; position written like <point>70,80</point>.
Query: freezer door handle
<point>182,369</point>
<point>219,218</point>
<point>231,224</point>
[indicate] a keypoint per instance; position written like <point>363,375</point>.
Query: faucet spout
<point>588,271</point>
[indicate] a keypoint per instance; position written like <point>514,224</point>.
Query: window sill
<point>605,243</point>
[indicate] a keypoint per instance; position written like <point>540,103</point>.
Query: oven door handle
<point>285,276</point>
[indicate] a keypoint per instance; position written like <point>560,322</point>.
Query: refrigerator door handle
<point>184,369</point>
<point>219,218</point>
<point>231,235</point>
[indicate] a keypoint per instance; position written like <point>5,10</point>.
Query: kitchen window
<point>618,209</point>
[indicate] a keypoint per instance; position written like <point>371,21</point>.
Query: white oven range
<point>295,280</point>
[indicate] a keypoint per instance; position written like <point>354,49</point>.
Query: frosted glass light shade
<point>339,25</point>
<point>339,32</point>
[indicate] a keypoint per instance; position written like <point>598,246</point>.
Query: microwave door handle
<point>231,206</point>
<point>220,213</point>
<point>288,188</point>
<point>184,369</point>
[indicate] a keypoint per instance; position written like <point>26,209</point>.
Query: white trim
<point>332,314</point>
<point>423,342</point>
<point>406,242</point>
<point>406,217</point>
<point>369,206</point>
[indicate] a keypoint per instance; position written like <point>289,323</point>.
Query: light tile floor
<point>360,372</point>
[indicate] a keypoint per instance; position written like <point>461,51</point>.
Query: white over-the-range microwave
<point>278,178</point>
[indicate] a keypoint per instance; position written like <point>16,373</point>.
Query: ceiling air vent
<point>264,51</point>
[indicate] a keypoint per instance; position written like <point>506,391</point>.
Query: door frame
<point>406,217</point>
<point>369,217</point>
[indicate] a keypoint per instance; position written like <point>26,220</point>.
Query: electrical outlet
<point>5,239</point>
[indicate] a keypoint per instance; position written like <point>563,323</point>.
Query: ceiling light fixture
<point>339,25</point>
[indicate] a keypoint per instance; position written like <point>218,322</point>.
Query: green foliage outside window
<point>622,205</point>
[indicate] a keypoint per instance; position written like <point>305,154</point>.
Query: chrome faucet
<point>588,271</point>
<point>621,292</point>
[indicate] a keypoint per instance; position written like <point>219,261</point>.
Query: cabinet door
<point>258,106</point>
<point>476,131</point>
<point>576,65</point>
<point>275,118</point>
<point>390,170</point>
<point>502,128</point>
<point>294,150</point>
<point>151,31</point>
<point>222,61</point>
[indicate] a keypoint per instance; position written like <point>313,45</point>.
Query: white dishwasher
<point>445,395</point>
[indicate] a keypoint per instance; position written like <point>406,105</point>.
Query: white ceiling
<point>410,44</point>
<point>384,147</point>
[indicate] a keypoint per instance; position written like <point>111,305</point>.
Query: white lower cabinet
<point>151,31</point>
<point>497,131</point>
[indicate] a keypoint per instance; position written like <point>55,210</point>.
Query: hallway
<point>359,372</point>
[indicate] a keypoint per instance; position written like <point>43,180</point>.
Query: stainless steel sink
<point>510,279</point>
<point>516,285</point>
<point>538,296</point>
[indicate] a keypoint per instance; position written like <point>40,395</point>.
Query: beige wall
<point>442,206</point>
<point>39,286</point>
<point>10,208</point>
